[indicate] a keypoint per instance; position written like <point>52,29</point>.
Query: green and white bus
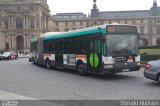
<point>101,49</point>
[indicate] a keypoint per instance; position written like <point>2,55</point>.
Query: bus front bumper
<point>121,67</point>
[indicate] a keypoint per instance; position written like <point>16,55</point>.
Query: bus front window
<point>121,45</point>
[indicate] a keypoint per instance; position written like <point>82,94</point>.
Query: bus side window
<point>98,46</point>
<point>81,45</point>
<point>52,47</point>
<point>45,49</point>
<point>84,45</point>
<point>78,46</point>
<point>74,46</point>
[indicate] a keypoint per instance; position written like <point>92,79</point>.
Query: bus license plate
<point>124,70</point>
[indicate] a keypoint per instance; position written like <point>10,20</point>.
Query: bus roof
<point>91,30</point>
<point>79,32</point>
<point>50,33</point>
<point>34,40</point>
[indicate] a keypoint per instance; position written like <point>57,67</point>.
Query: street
<point>32,81</point>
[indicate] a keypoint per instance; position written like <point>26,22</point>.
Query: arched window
<point>19,23</point>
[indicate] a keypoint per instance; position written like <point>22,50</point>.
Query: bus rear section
<point>33,50</point>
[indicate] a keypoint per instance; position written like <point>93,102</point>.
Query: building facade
<point>21,21</point>
<point>147,21</point>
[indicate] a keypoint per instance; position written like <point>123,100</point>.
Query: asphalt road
<point>19,77</point>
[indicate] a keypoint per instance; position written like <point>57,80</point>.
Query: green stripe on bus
<point>72,34</point>
<point>34,40</point>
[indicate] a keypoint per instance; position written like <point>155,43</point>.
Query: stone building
<point>22,20</point>
<point>147,21</point>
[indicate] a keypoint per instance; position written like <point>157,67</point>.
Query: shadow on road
<point>152,83</point>
<point>112,77</point>
<point>117,76</point>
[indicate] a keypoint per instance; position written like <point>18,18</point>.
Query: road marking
<point>12,99</point>
<point>12,96</point>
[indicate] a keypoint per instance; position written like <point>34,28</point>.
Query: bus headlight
<point>138,64</point>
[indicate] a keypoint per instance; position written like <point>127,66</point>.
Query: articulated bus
<point>101,49</point>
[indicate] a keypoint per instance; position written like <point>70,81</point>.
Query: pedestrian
<point>20,52</point>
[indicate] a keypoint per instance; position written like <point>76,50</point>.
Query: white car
<point>8,56</point>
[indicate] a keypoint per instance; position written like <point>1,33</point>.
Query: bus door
<point>59,54</point>
<point>94,54</point>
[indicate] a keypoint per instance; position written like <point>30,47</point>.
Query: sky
<point>85,6</point>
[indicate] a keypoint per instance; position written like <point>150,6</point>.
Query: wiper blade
<point>122,51</point>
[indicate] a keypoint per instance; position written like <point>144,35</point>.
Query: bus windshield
<point>121,45</point>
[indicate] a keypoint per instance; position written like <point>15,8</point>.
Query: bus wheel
<point>48,64</point>
<point>81,69</point>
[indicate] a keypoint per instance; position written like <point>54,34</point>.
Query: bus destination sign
<point>121,29</point>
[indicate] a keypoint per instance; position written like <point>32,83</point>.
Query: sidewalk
<point>23,56</point>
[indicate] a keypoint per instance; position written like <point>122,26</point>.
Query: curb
<point>23,56</point>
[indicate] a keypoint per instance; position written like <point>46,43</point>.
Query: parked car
<point>8,55</point>
<point>152,70</point>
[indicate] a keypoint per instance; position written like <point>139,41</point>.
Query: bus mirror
<point>140,43</point>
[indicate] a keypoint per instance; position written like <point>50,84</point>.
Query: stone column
<point>14,41</point>
<point>1,40</point>
<point>14,23</point>
<point>40,22</point>
<point>9,22</point>
<point>26,37</point>
<point>11,41</point>
<point>45,23</point>
<point>150,34</point>
<point>24,22</point>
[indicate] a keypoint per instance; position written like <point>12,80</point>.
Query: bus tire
<point>81,69</point>
<point>47,63</point>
